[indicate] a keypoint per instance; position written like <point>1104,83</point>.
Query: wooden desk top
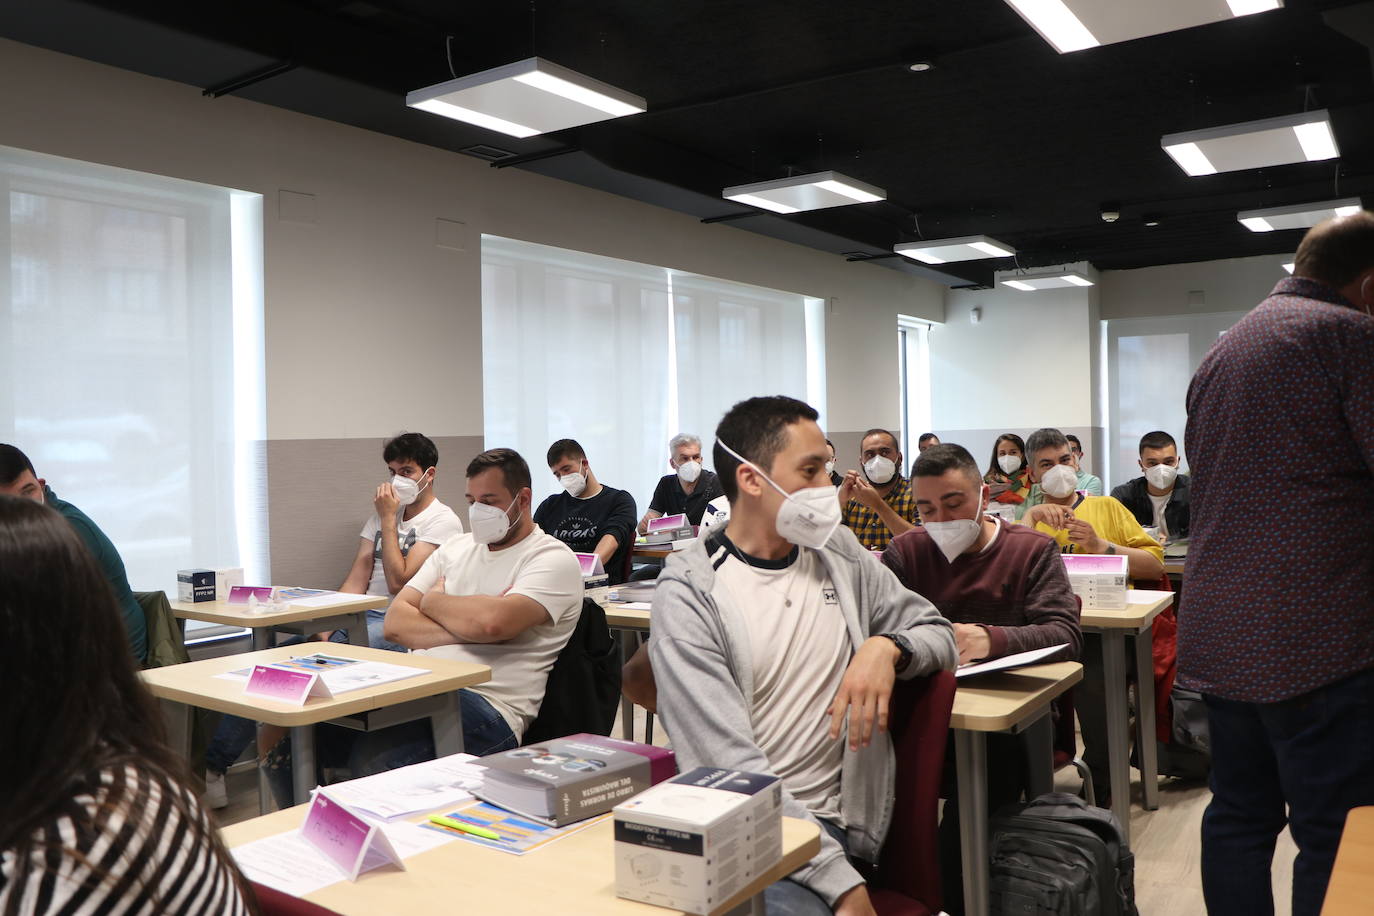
<point>195,684</point>
<point>653,553</point>
<point>238,615</point>
<point>575,875</point>
<point>1352,878</point>
<point>626,618</point>
<point>1004,699</point>
<point>1143,606</point>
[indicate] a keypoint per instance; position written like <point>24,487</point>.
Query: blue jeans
<point>1313,754</point>
<point>788,898</point>
<point>375,639</point>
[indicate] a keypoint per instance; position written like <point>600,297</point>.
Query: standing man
<point>1159,498</point>
<point>1275,632</point>
<point>588,516</point>
<point>877,502</point>
<point>688,489</point>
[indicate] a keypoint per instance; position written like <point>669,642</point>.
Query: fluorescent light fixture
<point>1073,25</point>
<point>1301,216</point>
<point>526,98</point>
<point>1064,276</point>
<point>1305,137</point>
<point>942,251</point>
<point>816,191</point>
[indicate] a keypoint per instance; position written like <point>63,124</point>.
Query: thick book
<point>570,779</point>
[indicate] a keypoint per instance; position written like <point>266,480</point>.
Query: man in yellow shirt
<point>1080,523</point>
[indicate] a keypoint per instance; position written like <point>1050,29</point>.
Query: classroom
<point>947,420</point>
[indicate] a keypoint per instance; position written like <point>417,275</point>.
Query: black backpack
<point>1058,856</point>
<point>583,689</point>
<point>1189,754</point>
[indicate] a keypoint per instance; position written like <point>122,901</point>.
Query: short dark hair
<point>565,448</point>
<point>940,459</point>
<point>1157,439</point>
<point>1049,437</point>
<point>875,431</point>
<point>925,437</point>
<point>994,468</point>
<point>13,463</point>
<point>1337,251</point>
<point>514,470</point>
<point>757,429</point>
<point>1073,440</point>
<point>411,447</point>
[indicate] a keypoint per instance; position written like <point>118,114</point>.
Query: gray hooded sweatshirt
<point>702,665</point>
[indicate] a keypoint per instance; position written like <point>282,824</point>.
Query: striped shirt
<point>119,846</point>
<point>868,525</point>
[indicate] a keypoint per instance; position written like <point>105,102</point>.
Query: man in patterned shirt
<point>877,501</point>
<point>1276,628</point>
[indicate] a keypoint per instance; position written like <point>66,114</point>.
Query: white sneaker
<point>216,793</point>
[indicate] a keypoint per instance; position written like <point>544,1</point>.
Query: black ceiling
<point>1004,137</point>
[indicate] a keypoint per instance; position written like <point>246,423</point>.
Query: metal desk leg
<point>265,800</point>
<point>971,766</point>
<point>1118,730</point>
<point>357,628</point>
<point>448,727</point>
<point>1145,718</point>
<point>262,638</point>
<point>303,762</point>
<point>1039,738</point>
<point>627,709</point>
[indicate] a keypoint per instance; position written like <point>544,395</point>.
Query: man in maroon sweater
<point>1003,587</point>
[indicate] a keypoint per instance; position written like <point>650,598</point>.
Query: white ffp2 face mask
<point>1009,464</point>
<point>1059,481</point>
<point>490,524</point>
<point>1161,476</point>
<point>807,517</point>
<point>879,470</point>
<point>689,471</point>
<point>406,490</point>
<point>954,537</point>
<point>830,467</point>
<point>574,483</point>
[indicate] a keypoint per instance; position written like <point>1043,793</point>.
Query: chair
<point>907,880</point>
<point>189,728</point>
<point>272,902</point>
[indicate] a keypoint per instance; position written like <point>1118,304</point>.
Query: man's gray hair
<point>1049,437</point>
<point>680,440</point>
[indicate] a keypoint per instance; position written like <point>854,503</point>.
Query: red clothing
<point>1016,588</point>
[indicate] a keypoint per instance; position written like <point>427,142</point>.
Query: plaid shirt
<point>867,524</point>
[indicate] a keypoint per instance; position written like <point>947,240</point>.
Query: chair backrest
<point>272,902</point>
<point>918,718</point>
<point>166,644</point>
<point>583,688</point>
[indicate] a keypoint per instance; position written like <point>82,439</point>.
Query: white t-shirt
<point>799,649</point>
<point>1159,503</point>
<point>540,567</point>
<point>436,524</point>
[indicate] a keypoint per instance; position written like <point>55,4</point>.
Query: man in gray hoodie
<point>776,645</point>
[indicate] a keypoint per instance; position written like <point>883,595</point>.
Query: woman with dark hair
<point>1007,471</point>
<point>95,814</point>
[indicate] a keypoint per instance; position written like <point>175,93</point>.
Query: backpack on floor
<point>1189,754</point>
<point>1058,856</point>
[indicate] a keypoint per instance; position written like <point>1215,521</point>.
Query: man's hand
<point>864,692</point>
<point>847,487</point>
<point>866,495</point>
<point>1056,517</point>
<point>973,642</point>
<point>855,902</point>
<point>438,590</point>
<point>386,502</point>
<point>1082,534</point>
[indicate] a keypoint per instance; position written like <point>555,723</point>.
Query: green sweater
<point>107,558</point>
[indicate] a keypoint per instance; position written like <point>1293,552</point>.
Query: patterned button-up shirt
<point>868,525</point>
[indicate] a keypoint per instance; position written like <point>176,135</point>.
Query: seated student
<point>1080,523</point>
<point>1006,474</point>
<point>835,478</point>
<point>1159,498</point>
<point>927,440</point>
<point>1084,482</point>
<point>1003,587</point>
<point>769,635</point>
<point>588,516</point>
<point>17,478</point>
<point>877,501</point>
<point>688,489</point>
<point>95,816</point>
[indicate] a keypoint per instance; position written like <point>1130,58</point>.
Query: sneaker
<point>216,793</point>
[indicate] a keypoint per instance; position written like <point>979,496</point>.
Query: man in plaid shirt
<point>878,504</point>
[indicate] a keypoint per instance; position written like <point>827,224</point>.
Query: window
<point>131,355</point>
<point>913,360</point>
<point>621,356</point>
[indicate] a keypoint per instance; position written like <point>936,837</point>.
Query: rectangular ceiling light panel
<point>1301,216</point>
<point>526,98</point>
<point>1072,25</point>
<point>1305,137</point>
<point>943,251</point>
<point>1063,277</point>
<point>816,191</point>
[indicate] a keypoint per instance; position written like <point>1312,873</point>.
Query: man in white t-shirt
<point>506,595</point>
<point>408,525</point>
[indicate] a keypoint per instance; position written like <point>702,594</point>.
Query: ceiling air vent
<point>488,153</point>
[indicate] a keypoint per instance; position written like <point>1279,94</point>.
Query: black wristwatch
<point>903,647</point>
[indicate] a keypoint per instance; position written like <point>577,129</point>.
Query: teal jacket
<point>107,558</point>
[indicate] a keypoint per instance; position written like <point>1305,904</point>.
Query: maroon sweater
<point>1017,588</point>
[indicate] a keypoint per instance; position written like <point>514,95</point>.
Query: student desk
<point>1174,566</point>
<point>1137,619</point>
<point>628,621</point>
<point>424,696</point>
<point>575,875</point>
<point>348,614</point>
<point>1352,878</point>
<point>1002,701</point>
<point>655,552</point>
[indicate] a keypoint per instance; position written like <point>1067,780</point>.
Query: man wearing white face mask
<point>1159,498</point>
<point>688,489</point>
<point>877,502</point>
<point>776,644</point>
<point>587,515</point>
<point>1005,589</point>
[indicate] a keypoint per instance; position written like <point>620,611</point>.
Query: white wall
<point>1191,289</point>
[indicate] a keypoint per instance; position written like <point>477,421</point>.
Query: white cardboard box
<point>692,842</point>
<point>1100,580</point>
<point>226,579</point>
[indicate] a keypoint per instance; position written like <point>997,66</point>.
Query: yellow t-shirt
<point>1111,520</point>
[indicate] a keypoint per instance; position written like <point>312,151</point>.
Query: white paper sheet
<point>291,865</point>
<point>428,786</point>
<point>1008,661</point>
<point>355,675</point>
<point>327,600</point>
<point>632,605</point>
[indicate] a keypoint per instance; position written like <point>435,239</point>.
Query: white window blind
<point>131,358</point>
